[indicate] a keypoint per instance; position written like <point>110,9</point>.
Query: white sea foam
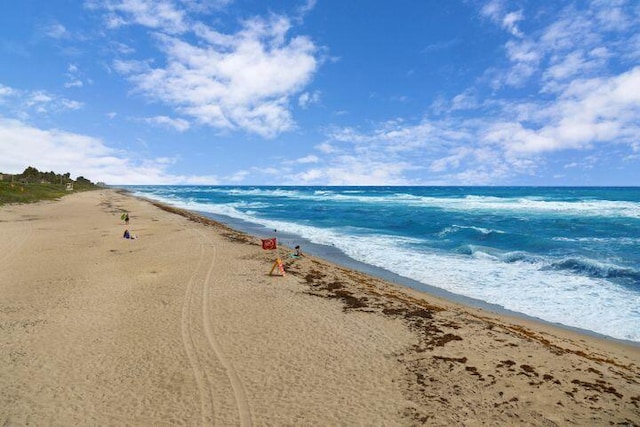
<point>455,228</point>
<point>603,208</point>
<point>520,284</point>
<point>600,240</point>
<point>556,296</point>
<point>518,205</point>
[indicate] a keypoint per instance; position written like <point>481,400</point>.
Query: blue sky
<point>320,92</point>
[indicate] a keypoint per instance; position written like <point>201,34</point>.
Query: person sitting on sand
<point>128,235</point>
<point>296,254</point>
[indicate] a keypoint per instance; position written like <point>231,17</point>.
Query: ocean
<point>564,255</point>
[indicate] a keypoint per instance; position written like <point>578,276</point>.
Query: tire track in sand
<point>239,392</point>
<point>214,346</point>
<point>203,382</point>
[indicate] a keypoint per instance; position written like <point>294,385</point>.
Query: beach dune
<point>184,325</point>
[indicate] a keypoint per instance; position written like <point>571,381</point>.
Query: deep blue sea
<point>564,255</point>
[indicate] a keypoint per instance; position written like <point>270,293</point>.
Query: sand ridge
<point>185,326</point>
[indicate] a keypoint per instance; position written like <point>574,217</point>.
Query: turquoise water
<point>564,255</point>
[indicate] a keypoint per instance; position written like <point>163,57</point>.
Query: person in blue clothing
<point>128,235</point>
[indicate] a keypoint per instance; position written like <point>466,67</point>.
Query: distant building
<point>69,186</point>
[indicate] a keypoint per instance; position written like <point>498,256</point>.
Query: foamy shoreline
<point>336,256</point>
<point>185,326</point>
<point>467,243</point>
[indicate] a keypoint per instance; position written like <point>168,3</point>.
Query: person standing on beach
<point>126,218</point>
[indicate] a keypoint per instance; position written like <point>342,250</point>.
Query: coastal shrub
<point>33,185</point>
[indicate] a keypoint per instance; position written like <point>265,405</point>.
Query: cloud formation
<point>583,102</point>
<point>242,80</point>
<point>81,155</point>
<point>27,103</point>
<point>178,124</point>
<point>560,86</point>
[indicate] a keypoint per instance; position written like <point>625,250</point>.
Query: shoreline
<point>335,256</point>
<point>184,325</point>
<point>345,262</point>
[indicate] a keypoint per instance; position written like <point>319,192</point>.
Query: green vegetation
<point>33,185</point>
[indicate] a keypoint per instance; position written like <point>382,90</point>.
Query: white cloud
<point>495,10</point>
<point>69,104</point>
<point>121,48</point>
<point>573,100</point>
<point>525,58</point>
<point>22,145</point>
<point>73,83</point>
<point>325,148</point>
<point>230,81</point>
<point>180,125</point>
<point>202,6</point>
<point>307,99</point>
<point>23,103</point>
<point>588,112</point>
<point>131,66</point>
<point>6,91</point>
<point>611,16</point>
<point>464,101</point>
<point>73,76</point>
<point>239,176</point>
<point>450,161</point>
<point>561,35</point>
<point>523,52</point>
<point>307,7</point>
<point>509,140</point>
<point>383,155</point>
<point>57,31</point>
<point>354,170</point>
<point>307,159</point>
<point>157,14</point>
<point>578,42</point>
<point>510,22</point>
<point>568,66</point>
<point>38,98</point>
<point>492,9</point>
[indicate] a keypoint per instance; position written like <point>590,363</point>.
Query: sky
<point>323,92</point>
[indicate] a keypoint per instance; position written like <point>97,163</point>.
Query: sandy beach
<point>184,326</point>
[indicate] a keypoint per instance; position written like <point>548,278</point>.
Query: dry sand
<point>184,326</point>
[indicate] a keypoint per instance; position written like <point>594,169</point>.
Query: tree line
<point>33,175</point>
